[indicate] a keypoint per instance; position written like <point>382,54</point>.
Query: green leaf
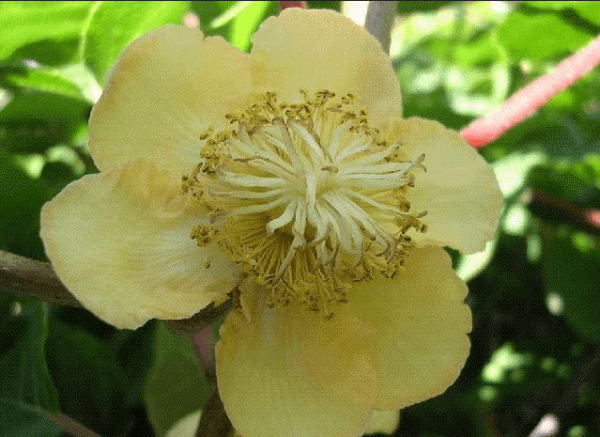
<point>476,91</point>
<point>33,120</point>
<point>234,21</point>
<point>247,22</point>
<point>176,385</point>
<point>585,9</point>
<point>324,5</point>
<point>405,8</point>
<point>552,5</point>
<point>22,199</point>
<point>577,182</point>
<point>41,79</point>
<point>434,106</point>
<point>113,25</point>
<point>134,350</point>
<point>571,272</point>
<point>38,107</point>
<point>512,170</point>
<point>89,379</point>
<point>74,81</point>
<point>588,10</point>
<point>521,35</point>
<point>209,13</point>
<point>24,376</point>
<point>47,32</point>
<point>229,14</point>
<point>484,50</point>
<point>20,419</point>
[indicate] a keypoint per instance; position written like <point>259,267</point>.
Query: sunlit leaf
<point>521,34</point>
<point>73,81</point>
<point>405,7</point>
<point>209,12</point>
<point>482,51</point>
<point>551,5</point>
<point>512,170</point>
<point>229,14</point>
<point>324,5</point>
<point>246,22</point>
<point>47,32</point>
<point>40,79</point>
<point>589,10</point>
<point>113,25</point>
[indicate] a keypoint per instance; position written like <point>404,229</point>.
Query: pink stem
<point>527,100</point>
<point>285,5</point>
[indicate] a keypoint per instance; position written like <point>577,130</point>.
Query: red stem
<point>285,5</point>
<point>527,100</point>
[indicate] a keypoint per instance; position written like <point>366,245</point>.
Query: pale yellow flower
<point>305,189</point>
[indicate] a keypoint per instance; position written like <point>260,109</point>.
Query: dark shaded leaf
<point>89,378</point>
<point>176,385</point>
<point>20,419</point>
<point>24,377</point>
<point>572,275</point>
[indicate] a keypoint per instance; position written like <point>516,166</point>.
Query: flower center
<point>306,197</point>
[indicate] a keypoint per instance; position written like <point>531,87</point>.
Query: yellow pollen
<point>305,197</point>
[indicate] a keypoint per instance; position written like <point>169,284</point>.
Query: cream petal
<point>322,49</point>
<point>459,190</point>
<point>289,372</point>
<point>166,88</point>
<point>384,422</point>
<point>422,323</point>
<point>120,242</point>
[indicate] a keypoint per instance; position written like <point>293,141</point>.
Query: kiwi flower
<point>288,177</point>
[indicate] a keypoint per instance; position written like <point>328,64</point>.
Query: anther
<point>303,197</point>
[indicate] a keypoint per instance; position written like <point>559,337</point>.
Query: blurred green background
<point>535,293</point>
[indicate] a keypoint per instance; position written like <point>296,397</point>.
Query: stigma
<point>306,197</point>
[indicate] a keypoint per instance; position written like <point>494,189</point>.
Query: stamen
<point>306,198</point>
<point>309,140</point>
<point>289,144</point>
<point>283,219</point>
<point>358,146</point>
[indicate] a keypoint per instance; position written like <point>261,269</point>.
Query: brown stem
<point>214,421</point>
<point>585,218</point>
<point>26,277</point>
<point>198,321</point>
<point>380,19</point>
<point>70,425</point>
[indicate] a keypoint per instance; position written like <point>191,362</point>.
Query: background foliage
<point>535,293</point>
